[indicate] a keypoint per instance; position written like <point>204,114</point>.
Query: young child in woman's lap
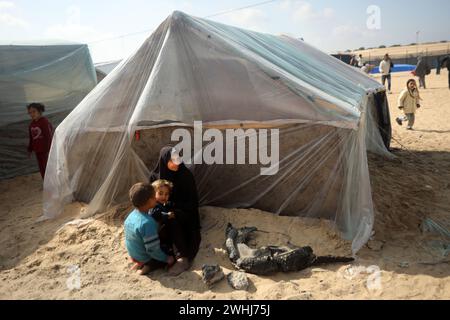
<point>170,232</point>
<point>163,213</point>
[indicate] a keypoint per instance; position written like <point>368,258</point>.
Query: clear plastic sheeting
<point>59,76</point>
<point>192,69</point>
<point>102,69</point>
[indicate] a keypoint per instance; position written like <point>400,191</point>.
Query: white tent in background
<point>102,69</point>
<point>192,69</point>
<point>57,75</point>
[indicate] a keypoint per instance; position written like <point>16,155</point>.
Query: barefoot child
<point>141,232</point>
<point>409,102</point>
<point>40,133</point>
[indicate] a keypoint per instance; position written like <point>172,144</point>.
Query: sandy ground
<point>87,259</point>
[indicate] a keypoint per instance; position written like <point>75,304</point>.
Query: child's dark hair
<point>38,106</point>
<point>140,193</point>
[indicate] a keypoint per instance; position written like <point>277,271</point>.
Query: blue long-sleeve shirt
<point>141,238</point>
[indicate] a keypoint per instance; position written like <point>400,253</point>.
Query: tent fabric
<point>102,69</point>
<point>192,69</point>
<point>107,67</point>
<point>59,76</point>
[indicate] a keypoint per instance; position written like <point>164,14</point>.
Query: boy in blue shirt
<point>141,232</point>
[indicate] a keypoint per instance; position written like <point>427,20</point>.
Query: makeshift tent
<point>59,76</point>
<point>102,69</point>
<point>192,69</point>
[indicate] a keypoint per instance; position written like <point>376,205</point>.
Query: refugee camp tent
<point>193,69</point>
<point>102,69</point>
<point>57,75</point>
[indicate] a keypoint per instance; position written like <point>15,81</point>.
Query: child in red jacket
<point>41,134</point>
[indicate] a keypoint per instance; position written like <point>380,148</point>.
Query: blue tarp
<point>397,68</point>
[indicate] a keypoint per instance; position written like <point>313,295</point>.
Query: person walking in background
<point>360,61</point>
<point>438,63</point>
<point>445,63</point>
<point>386,66</point>
<point>422,70</point>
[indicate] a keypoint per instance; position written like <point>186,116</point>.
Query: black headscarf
<point>161,170</point>
<point>184,194</point>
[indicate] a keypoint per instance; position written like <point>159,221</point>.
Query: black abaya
<point>184,196</point>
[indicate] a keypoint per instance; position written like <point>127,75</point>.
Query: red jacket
<point>41,135</point>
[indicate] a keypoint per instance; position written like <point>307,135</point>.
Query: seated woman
<point>185,199</point>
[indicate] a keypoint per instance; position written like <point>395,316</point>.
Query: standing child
<point>141,232</point>
<point>409,102</point>
<point>41,134</point>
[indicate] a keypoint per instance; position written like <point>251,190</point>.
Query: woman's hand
<point>172,215</point>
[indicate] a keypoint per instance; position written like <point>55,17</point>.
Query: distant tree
<point>382,47</point>
<point>396,45</point>
<point>348,50</point>
<point>444,41</point>
<point>362,48</point>
<point>413,44</point>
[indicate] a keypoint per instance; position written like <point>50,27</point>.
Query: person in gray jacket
<point>422,70</point>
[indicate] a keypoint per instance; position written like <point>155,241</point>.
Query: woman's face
<point>172,166</point>
<point>412,85</point>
